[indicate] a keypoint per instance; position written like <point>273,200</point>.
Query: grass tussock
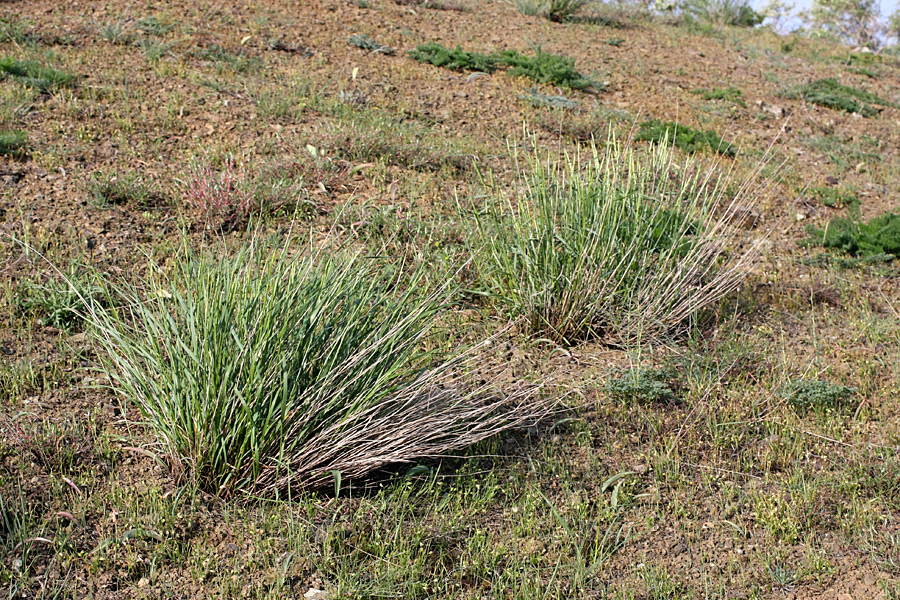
<point>261,373</point>
<point>684,137</point>
<point>625,247</point>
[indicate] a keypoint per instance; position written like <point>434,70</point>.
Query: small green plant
<point>35,75</point>
<point>831,94</point>
<point>835,197</point>
<point>365,42</point>
<point>682,136</point>
<point>238,62</point>
<point>730,94</point>
<point>13,143</point>
<point>61,302</point>
<point>543,67</point>
<point>260,373</point>
<point>815,394</point>
<point>643,385</point>
<point>880,237</point>
<point>622,248</point>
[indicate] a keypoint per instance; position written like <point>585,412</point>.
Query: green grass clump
<point>682,136</point>
<point>543,67</point>
<point>126,189</point>
<point>263,373</point>
<point>645,385</point>
<point>877,238</point>
<point>620,248</point>
<point>815,394</point>
<point>35,75</point>
<point>12,143</point>
<point>831,94</point>
<point>436,54</point>
<point>729,13</point>
<point>730,94</point>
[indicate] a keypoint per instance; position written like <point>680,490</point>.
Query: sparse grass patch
<point>35,75</point>
<point>124,189</point>
<point>729,13</point>
<point>835,197</point>
<point>273,372</point>
<point>682,136</point>
<point>616,250</point>
<point>816,394</point>
<point>13,143</point>
<point>238,62</point>
<point>831,94</point>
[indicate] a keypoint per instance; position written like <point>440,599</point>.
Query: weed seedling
<point>815,394</point>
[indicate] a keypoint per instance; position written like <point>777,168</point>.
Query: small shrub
<point>644,385</point>
<point>619,249</point>
<point>831,94</point>
<point>266,373</point>
<point>814,394</point>
<point>730,13</point>
<point>682,136</point>
<point>229,197</point>
<point>365,42</point>
<point>34,75</point>
<point>554,10</point>
<point>13,143</point>
<point>880,237</point>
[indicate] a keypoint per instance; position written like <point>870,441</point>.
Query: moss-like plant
<point>682,136</point>
<point>454,58</point>
<point>731,94</point>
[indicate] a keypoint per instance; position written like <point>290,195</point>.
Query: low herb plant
<point>643,385</point>
<point>543,67</point>
<point>13,143</point>
<point>880,237</point>
<point>619,247</point>
<point>682,136</point>
<point>35,75</point>
<point>808,394</point>
<point>831,94</point>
